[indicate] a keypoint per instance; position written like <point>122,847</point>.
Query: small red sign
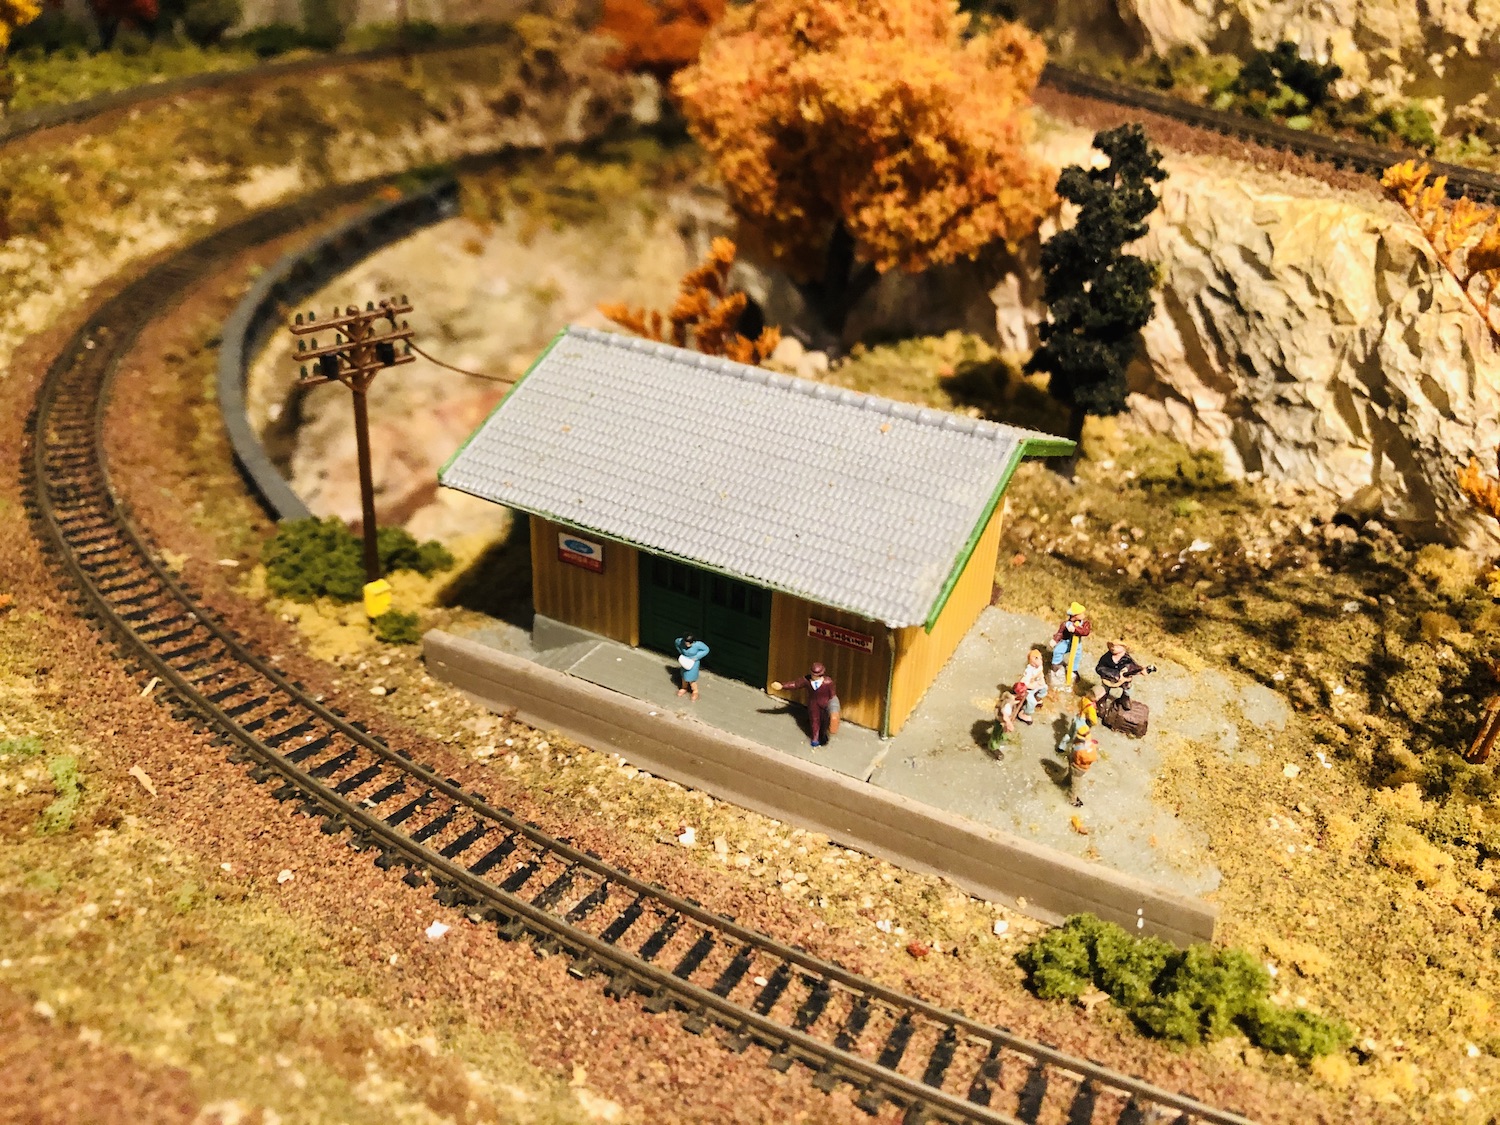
<point>838,635</point>
<point>583,553</point>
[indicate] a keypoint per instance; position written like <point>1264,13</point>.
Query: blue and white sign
<point>583,553</point>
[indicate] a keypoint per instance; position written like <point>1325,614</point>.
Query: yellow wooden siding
<point>920,655</point>
<point>607,603</point>
<point>861,676</point>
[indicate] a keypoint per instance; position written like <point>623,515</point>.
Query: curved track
<point>938,1064</point>
<point>894,1048</point>
<point>1341,152</point>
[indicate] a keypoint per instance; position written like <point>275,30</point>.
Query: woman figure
<point>1034,680</point>
<point>690,654</point>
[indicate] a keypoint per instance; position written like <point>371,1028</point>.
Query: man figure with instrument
<point>1067,646</point>
<point>1117,670</point>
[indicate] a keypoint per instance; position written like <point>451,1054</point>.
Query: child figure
<point>1075,626</point>
<point>1032,685</point>
<point>1006,708</point>
<point>1083,722</point>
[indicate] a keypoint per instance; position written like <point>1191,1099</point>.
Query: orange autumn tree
<point>657,36</point>
<point>1465,236</point>
<point>860,136</point>
<point>706,315</point>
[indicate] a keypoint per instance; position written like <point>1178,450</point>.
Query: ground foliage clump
<point>1188,995</point>
<point>311,558</point>
<point>1274,84</point>
<point>397,628</point>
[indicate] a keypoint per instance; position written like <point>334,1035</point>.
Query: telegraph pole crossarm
<point>358,353</point>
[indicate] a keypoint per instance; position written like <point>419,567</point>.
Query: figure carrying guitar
<point>1117,671</point>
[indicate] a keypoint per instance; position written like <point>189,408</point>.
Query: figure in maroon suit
<point>822,701</point>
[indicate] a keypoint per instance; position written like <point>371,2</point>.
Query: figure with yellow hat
<point>1067,645</point>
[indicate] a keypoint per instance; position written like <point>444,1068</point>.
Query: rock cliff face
<point>1309,335</point>
<point>1441,46</point>
<point>1306,333</point>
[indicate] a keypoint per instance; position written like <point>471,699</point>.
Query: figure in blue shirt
<point>690,654</point>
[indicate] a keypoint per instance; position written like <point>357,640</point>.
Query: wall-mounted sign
<point>580,552</point>
<point>838,635</point>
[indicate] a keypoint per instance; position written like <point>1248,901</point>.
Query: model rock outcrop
<point>1450,44</point>
<point>1307,334</point>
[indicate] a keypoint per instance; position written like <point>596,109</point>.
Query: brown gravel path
<point>169,459</point>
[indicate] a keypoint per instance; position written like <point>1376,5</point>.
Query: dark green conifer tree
<point>1098,297</point>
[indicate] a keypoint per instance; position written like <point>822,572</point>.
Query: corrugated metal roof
<point>841,498</point>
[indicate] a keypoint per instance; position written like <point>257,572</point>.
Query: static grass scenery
<point>1355,957</point>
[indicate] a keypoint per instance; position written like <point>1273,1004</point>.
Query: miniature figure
<point>1082,723</point>
<point>1117,671</point>
<point>1069,639</point>
<point>1032,686</point>
<point>1006,708</point>
<point>822,703</point>
<point>1085,753</point>
<point>690,654</point>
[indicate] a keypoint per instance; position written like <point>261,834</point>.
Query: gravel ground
<point>341,921</point>
<point>628,818</point>
<point>54,1073</point>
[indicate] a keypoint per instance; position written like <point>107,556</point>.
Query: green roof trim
<point>1042,447</point>
<point>475,432</point>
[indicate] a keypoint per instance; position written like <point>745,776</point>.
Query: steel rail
<point>101,549</point>
<point>1338,151</point>
<point>28,121</point>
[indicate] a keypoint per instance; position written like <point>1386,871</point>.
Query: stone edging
<point>984,861</point>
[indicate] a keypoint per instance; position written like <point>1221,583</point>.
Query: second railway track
<point>643,940</point>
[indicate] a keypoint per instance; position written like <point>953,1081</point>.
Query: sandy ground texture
<point>844,905</point>
<point>166,925</point>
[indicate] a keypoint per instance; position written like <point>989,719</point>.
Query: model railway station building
<point>779,520</point>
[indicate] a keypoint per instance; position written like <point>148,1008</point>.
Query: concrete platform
<point>939,759</point>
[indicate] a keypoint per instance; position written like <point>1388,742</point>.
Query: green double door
<point>732,618</point>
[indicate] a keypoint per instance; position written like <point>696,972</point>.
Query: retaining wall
<point>986,862</point>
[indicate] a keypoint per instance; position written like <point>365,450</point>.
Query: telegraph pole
<point>360,351</point>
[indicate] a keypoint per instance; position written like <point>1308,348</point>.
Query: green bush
<point>272,39</point>
<point>1279,82</point>
<point>312,558</point>
<point>1190,996</point>
<point>58,816</point>
<point>1059,964</point>
<point>205,22</point>
<point>26,746</point>
<point>397,628</point>
<point>1165,465</point>
<point>1410,123</point>
<point>1295,1031</point>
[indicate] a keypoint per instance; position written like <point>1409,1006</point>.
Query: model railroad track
<point>939,1065</point>
<point>1339,151</point>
